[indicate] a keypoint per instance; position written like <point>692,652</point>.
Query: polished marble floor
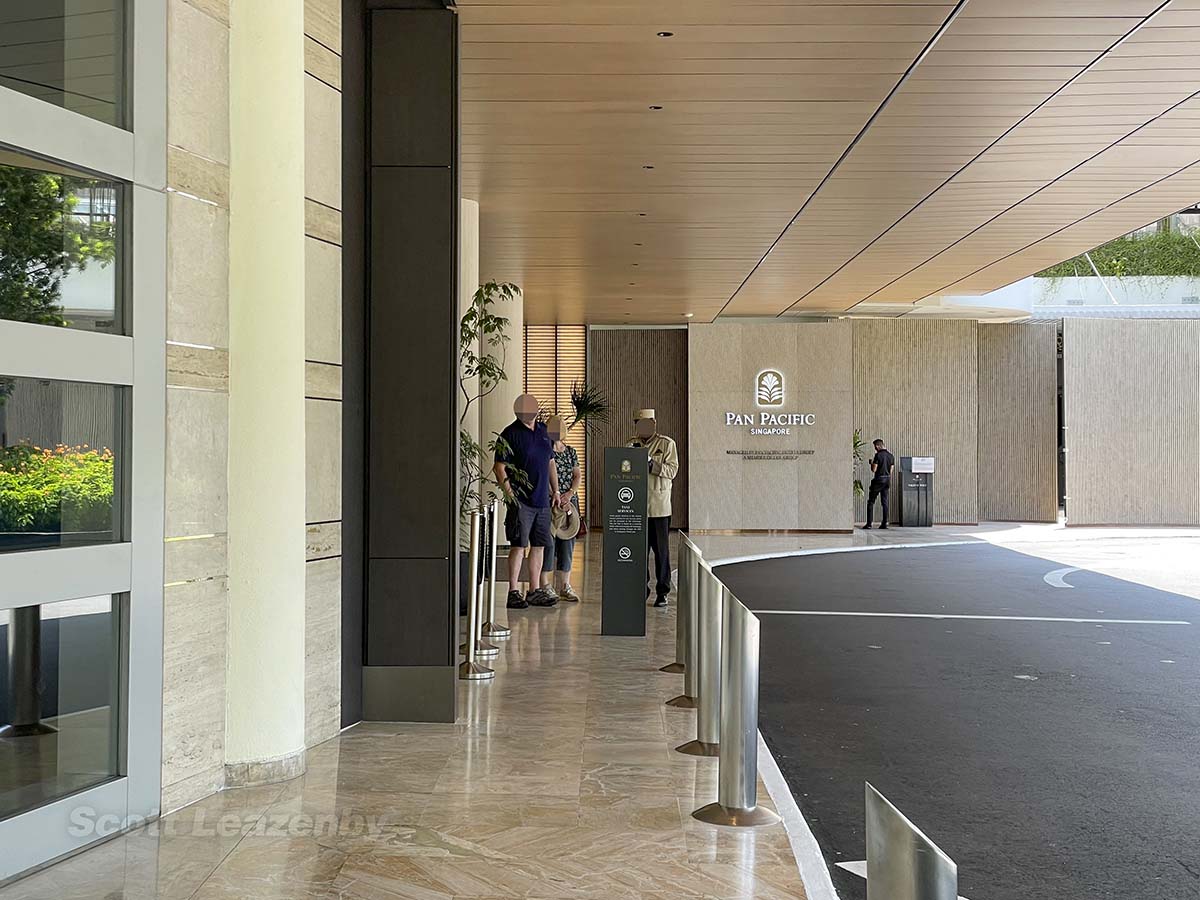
<point>558,781</point>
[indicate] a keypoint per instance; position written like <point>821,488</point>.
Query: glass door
<point>82,416</point>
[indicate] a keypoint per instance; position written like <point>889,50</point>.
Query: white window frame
<point>135,155</point>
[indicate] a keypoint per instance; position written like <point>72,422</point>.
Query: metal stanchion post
<point>469,669</point>
<point>491,628</point>
<point>737,781</point>
<point>483,649</point>
<point>681,603</point>
<point>686,611</point>
<point>710,600</point>
<point>24,674</point>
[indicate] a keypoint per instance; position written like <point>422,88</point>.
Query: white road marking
<point>900,615</point>
<point>1167,661</point>
<point>1026,677</point>
<point>813,871</point>
<point>822,551</point>
<point>1055,578</point>
<point>859,868</point>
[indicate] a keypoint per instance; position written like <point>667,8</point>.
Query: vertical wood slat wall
<point>1131,394</point>
<point>556,359</point>
<point>1018,422</point>
<point>638,368</point>
<point>916,386</point>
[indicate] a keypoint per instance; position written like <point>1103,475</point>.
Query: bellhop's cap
<point>644,414</point>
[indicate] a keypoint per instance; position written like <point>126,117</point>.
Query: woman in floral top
<point>556,565</point>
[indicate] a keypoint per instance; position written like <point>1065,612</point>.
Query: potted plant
<point>856,451</point>
<point>482,351</point>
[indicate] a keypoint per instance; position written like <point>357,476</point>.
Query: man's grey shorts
<point>525,525</point>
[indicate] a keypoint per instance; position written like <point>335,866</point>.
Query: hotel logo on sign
<point>768,388</point>
<point>769,392</point>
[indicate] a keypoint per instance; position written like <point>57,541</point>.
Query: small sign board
<point>623,606</point>
<point>923,463</point>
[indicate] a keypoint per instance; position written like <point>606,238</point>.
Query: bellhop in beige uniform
<point>664,466</point>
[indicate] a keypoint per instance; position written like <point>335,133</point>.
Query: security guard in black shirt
<point>882,465</point>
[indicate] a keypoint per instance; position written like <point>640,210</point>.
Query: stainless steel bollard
<point>25,674</point>
<point>470,669</point>
<point>903,864</point>
<point>737,782</point>
<point>682,587</point>
<point>686,611</point>
<point>483,649</point>
<point>710,600</point>
<point>491,628</point>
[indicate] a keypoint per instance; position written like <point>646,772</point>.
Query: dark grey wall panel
<point>400,357</point>
<point>407,614</point>
<point>412,328</point>
<point>413,92</point>
<point>354,354</point>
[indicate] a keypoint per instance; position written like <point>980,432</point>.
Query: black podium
<point>623,605</point>
<point>916,491</point>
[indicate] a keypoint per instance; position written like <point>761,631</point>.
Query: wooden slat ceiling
<point>796,168</point>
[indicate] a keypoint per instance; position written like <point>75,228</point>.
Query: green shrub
<point>52,490</point>
<point>1161,253</point>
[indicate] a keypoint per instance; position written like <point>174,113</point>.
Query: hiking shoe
<point>568,594</point>
<point>516,600</point>
<point>542,597</point>
<point>660,600</point>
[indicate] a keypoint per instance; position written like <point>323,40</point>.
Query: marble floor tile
<point>559,781</point>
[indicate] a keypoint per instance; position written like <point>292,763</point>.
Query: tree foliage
<point>51,490</point>
<point>41,239</point>
<point>482,349</point>
<point>1161,253</point>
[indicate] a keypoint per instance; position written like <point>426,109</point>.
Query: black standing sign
<point>623,610</point>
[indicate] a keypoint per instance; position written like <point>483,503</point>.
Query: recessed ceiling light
<point>655,107</point>
<point>666,34</point>
<point>647,167</point>
<point>688,315</point>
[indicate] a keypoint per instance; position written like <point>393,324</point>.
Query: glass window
<point>66,52</point>
<point>59,692</point>
<point>60,243</point>
<point>60,463</point>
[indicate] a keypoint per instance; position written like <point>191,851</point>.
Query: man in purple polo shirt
<point>525,446</point>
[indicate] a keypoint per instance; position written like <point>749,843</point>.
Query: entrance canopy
<point>636,162</point>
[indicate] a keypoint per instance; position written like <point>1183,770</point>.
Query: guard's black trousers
<point>880,489</point>
<point>660,546</point>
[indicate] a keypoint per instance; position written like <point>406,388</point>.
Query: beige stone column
<point>468,283</point>
<point>265,688</point>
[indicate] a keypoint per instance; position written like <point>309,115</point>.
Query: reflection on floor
<point>558,781</point>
